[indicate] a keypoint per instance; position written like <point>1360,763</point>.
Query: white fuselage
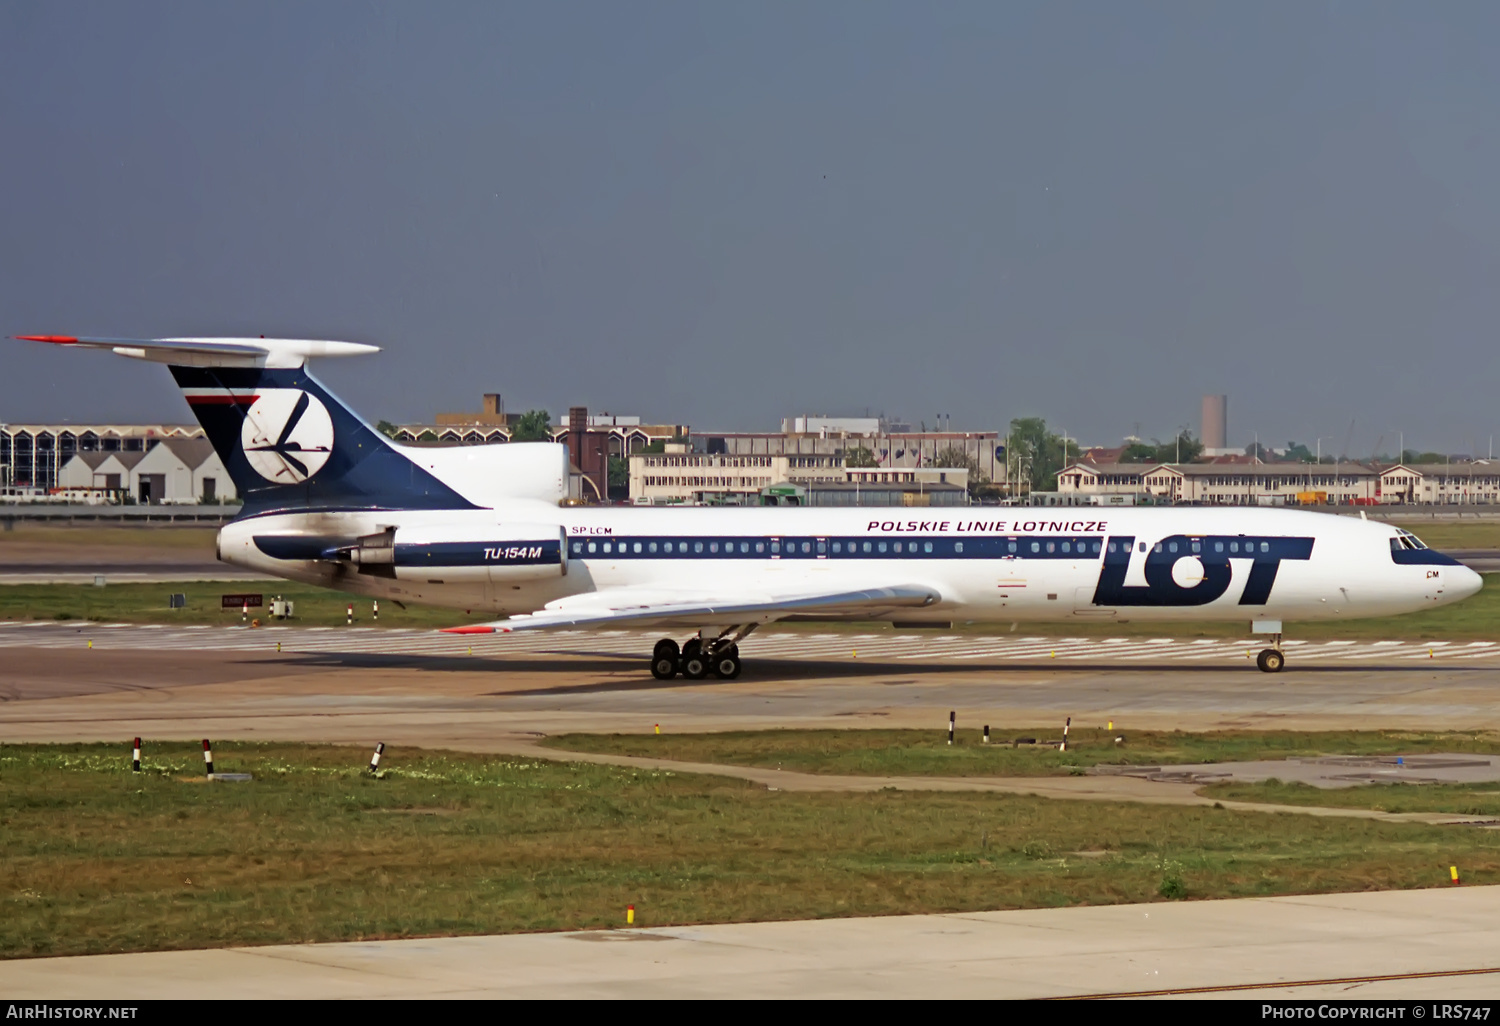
<point>986,563</point>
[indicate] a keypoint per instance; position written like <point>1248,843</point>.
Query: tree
<point>1138,452</point>
<point>386,428</point>
<point>533,426</point>
<point>860,456</point>
<point>958,459</point>
<point>619,477</point>
<point>1260,452</point>
<point>659,445</point>
<point>1041,454</point>
<point>1299,453</point>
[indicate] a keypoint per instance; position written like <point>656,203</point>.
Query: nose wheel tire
<point>1270,661</point>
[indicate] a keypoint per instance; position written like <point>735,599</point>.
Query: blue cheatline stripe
<point>1210,548</point>
<point>506,553</point>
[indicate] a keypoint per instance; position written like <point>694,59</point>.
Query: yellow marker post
<point>278,646</point>
<point>1111,724</point>
<point>1054,653</point>
<point>629,915</point>
<point>1453,872</point>
<point>91,644</point>
<point>855,654</point>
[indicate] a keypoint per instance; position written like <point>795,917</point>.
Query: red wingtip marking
<point>473,629</point>
<point>62,340</point>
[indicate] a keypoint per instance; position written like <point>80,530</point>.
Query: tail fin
<point>286,441</point>
<point>291,445</point>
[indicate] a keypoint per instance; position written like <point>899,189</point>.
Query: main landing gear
<point>1271,660</point>
<point>699,657</point>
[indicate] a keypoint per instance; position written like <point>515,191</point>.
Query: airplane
<point>331,501</point>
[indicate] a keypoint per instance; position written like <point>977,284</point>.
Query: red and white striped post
<point>375,759</point>
<point>350,620</point>
<point>1066,724</point>
<point>135,757</point>
<point>952,715</point>
<point>208,758</point>
<point>375,615</point>
<point>244,610</point>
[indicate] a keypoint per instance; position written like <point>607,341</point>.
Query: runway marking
<point>630,644</point>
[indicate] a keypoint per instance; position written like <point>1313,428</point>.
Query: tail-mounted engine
<point>505,553</point>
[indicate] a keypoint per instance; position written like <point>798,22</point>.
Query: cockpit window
<point>1406,540</point>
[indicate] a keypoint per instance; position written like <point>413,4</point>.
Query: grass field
<point>1454,534</point>
<point>162,536</point>
<point>1477,618</point>
<point>1461,799</point>
<point>147,603</point>
<point>927,753</point>
<point>98,859</point>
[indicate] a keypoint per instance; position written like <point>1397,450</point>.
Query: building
<point>680,477</point>
<point>1215,424</point>
<point>176,471</point>
<point>1223,484</point>
<point>625,434</point>
<point>857,493</point>
<point>1441,484</point>
<point>32,455</point>
<point>984,450</point>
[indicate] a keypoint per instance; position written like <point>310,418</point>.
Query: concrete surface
<point>1372,945</point>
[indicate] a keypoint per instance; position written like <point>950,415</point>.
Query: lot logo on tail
<point>287,435</point>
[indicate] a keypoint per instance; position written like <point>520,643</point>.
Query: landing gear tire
<point>664,659</point>
<point>727,665</point>
<point>1270,661</point>
<point>695,665</point>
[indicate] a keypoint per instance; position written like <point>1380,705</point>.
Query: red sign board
<point>239,601</point>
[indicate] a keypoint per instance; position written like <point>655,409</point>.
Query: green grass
<point>1448,534</point>
<point>98,859</point>
<point>927,753</point>
<point>147,603</point>
<point>1460,799</point>
<point>1477,618</point>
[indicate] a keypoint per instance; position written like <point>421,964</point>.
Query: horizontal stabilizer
<point>214,352</point>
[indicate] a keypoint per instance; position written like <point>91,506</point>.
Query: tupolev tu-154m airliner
<point>331,501</point>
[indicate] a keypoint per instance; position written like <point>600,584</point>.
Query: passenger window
<point>775,548</point>
<point>1067,547</point>
<point>836,548</point>
<point>958,547</point>
<point>744,547</point>
<point>637,546</point>
<point>1197,546</point>
<point>697,546</point>
<point>1142,547</point>
<point>760,546</point>
<point>1265,546</point>
<point>881,546</point>
<point>682,547</point>
<point>1036,547</point>
<point>1171,546</point>
<point>577,548</point>
<point>1218,546</point>
<point>1111,546</point>
<point>591,546</point>
<point>713,546</point>
<point>822,548</point>
<point>1051,547</point>
<point>898,546</point>
<point>1157,547</point>
<point>652,546</point>
<point>1096,548</point>
<point>867,546</point>
<point>1012,546</point>
<point>806,547</point>
<point>927,546</point>
<point>1234,546</point>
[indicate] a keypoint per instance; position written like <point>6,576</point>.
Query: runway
<point>1389,945</point>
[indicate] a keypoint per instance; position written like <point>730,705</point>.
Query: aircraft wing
<point>693,608</point>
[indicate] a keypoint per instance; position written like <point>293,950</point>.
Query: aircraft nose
<point>1463,582</point>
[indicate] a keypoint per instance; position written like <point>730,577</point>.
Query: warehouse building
<point>32,455</point>
<point>175,471</point>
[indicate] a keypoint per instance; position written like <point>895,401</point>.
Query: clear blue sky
<point>725,213</point>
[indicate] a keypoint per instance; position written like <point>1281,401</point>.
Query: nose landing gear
<point>1272,659</point>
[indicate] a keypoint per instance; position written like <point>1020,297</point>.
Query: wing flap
<point>659,606</point>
